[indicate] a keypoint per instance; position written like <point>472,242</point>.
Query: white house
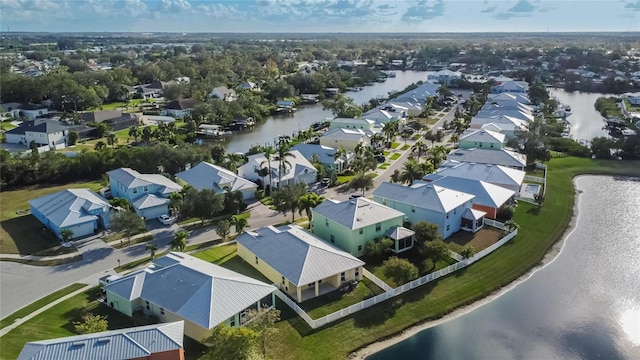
<point>500,97</point>
<point>495,174</point>
<point>511,87</point>
<point>413,106</point>
<point>446,208</point>
<point>248,85</point>
<point>445,76</point>
<point>324,155</point>
<point>366,125</point>
<point>30,111</point>
<point>505,157</point>
<point>345,138</point>
<point>181,287</point>
<point>44,132</point>
<point>180,108</point>
<point>218,179</point>
<point>223,93</point>
<point>384,115</point>
<point>301,264</point>
<point>297,170</point>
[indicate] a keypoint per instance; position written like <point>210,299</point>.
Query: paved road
<point>22,284</point>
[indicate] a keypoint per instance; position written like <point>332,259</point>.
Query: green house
<point>482,139</point>
<point>350,225</point>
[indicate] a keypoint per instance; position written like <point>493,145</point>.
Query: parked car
<point>379,158</point>
<point>325,181</point>
<point>354,196</point>
<point>166,219</point>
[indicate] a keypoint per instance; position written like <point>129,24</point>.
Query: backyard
<point>329,303</point>
<point>481,240</point>
<point>425,266</point>
<point>21,233</point>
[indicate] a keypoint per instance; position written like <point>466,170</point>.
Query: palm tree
<point>437,154</point>
<point>455,138</point>
<point>262,172</point>
<point>268,152</point>
<point>233,161</point>
<point>390,130</point>
<point>179,241</point>
<point>309,201</point>
<point>240,222</point>
<point>112,139</point>
<point>419,148</point>
<point>66,234</point>
<point>152,248</point>
<point>281,156</point>
<point>175,203</point>
<point>340,153</point>
<point>511,225</point>
<point>147,134</point>
<point>100,145</point>
<point>376,139</point>
<point>134,132</point>
<point>395,177</point>
<point>410,171</point>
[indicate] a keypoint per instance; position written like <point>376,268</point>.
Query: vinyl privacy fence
<point>390,292</point>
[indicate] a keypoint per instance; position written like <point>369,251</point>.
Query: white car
<point>166,219</point>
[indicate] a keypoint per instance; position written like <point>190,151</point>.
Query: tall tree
<point>342,106</point>
<point>262,322</point>
<point>152,248</point>
<point>223,229</point>
<point>227,343</point>
<point>419,148</point>
<point>268,152</point>
<point>286,198</point>
<point>282,153</point>
<point>240,222</point>
<point>127,222</point>
<point>134,132</point>
<point>309,201</point>
<point>91,323</point>
<point>390,130</point>
<point>437,250</point>
<point>233,161</point>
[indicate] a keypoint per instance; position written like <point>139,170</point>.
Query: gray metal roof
<point>137,342</point>
<point>486,194</point>
<point>423,195</point>
<point>130,179</point>
<point>147,201</point>
<point>356,213</point>
<point>495,174</point>
<point>504,157</point>
<point>473,214</point>
<point>325,153</point>
<point>345,134</point>
<point>399,232</point>
<point>299,256</point>
<point>193,289</point>
<point>209,176</point>
<point>481,135</point>
<point>45,126</point>
<point>70,207</point>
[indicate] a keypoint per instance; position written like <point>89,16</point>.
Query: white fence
<point>383,285</point>
<point>316,323</point>
<point>535,179</point>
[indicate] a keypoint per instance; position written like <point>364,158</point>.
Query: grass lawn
<point>124,243</point>
<point>344,179</point>
<point>481,240</point>
<point>7,125</point>
<point>395,145</point>
<point>386,153</point>
<point>395,156</point>
<point>21,233</point>
<point>58,322</point>
<point>425,266</point>
<point>227,257</point>
<point>39,303</point>
<point>384,166</point>
<point>334,301</point>
<point>405,147</point>
<point>539,231</point>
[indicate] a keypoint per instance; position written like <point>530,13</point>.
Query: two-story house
<point>351,225</point>
<point>450,210</point>
<point>482,139</point>
<point>345,138</point>
<point>148,193</point>
<point>44,132</point>
<point>495,174</point>
<point>223,93</point>
<point>325,155</point>
<point>296,169</point>
<point>368,126</point>
<point>180,108</point>
<point>218,179</point>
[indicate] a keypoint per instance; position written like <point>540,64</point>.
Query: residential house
<point>384,115</point>
<point>181,287</point>
<point>298,169</point>
<point>44,132</point>
<point>480,138</point>
<point>218,179</point>
<point>157,120</point>
<point>447,77</point>
<point>511,87</point>
<point>115,119</point>
<point>524,115</point>
<point>148,193</point>
<point>301,264</point>
<point>509,178</point>
<point>180,108</point>
<point>152,342</point>
<point>345,138</point>
<point>449,209</point>
<point>412,106</point>
<point>325,155</point>
<point>30,111</point>
<point>509,126</point>
<point>487,197</point>
<point>634,98</point>
<point>521,98</point>
<point>10,106</point>
<point>352,224</point>
<point>223,93</point>
<point>248,85</point>
<point>504,156</point>
<point>366,125</point>
<point>149,91</point>
<point>79,210</point>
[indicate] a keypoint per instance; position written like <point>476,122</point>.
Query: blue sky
<point>320,15</point>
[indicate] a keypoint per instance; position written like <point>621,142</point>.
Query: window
<point>359,247</point>
<point>343,276</point>
<point>232,321</point>
<point>361,231</point>
<point>447,215</point>
<point>283,280</point>
<point>491,144</point>
<point>256,260</point>
<point>480,145</point>
<point>135,190</point>
<point>413,209</point>
<point>326,222</point>
<point>357,272</point>
<point>320,281</point>
<point>147,305</point>
<point>332,239</point>
<point>378,226</point>
<point>146,188</point>
<point>162,311</point>
<point>311,285</point>
<point>454,211</point>
<point>448,227</point>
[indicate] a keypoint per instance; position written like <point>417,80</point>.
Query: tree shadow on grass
<point>287,314</point>
<point>534,210</point>
<point>28,235</point>
<point>378,314</point>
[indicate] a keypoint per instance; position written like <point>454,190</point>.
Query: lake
<point>583,305</point>
<point>266,132</point>
<point>586,121</point>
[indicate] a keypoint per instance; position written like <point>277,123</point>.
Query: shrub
<point>400,270</point>
<point>506,212</point>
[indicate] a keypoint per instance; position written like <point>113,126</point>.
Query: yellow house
<point>301,264</point>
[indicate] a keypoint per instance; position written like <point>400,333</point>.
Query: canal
<point>586,121</point>
<point>267,131</point>
<point>583,305</point>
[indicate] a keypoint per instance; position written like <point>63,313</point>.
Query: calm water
<point>586,121</point>
<point>267,131</point>
<point>584,305</point>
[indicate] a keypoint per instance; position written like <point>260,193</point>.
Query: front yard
<point>227,257</point>
<point>20,232</point>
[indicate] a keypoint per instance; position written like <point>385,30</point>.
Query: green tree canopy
<point>91,323</point>
<point>400,270</point>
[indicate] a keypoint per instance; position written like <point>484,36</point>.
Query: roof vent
<point>78,343</point>
<point>103,340</point>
